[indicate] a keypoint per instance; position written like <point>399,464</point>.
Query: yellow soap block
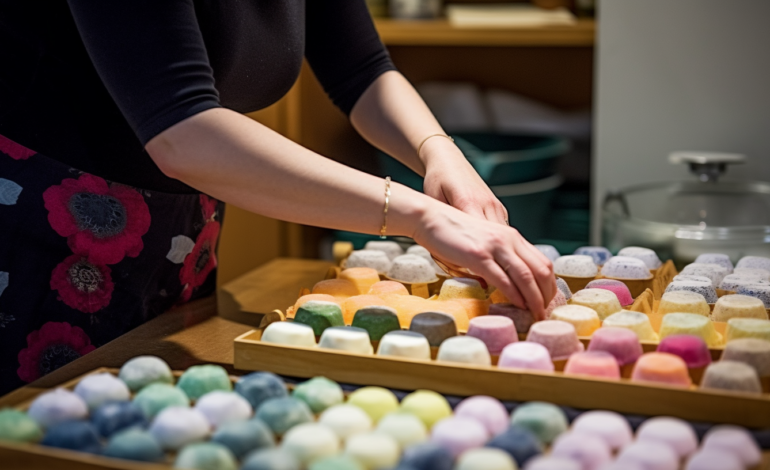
<point>637,322</point>
<point>683,301</point>
<point>747,328</point>
<point>602,301</point>
<point>461,288</point>
<point>375,401</point>
<point>362,278</point>
<point>353,304</point>
<point>340,289</point>
<point>388,288</point>
<point>584,319</point>
<point>738,306</point>
<point>690,324</point>
<point>427,405</point>
<point>307,298</point>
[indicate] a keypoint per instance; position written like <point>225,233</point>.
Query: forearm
<point>242,162</point>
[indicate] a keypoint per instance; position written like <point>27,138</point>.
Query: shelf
<point>441,33</point>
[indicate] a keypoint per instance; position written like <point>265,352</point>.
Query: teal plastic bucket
<point>529,204</point>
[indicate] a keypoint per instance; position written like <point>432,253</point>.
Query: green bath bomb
<point>156,397</point>
<point>141,371</point>
<point>242,437</point>
<point>282,414</point>
<point>340,462</point>
<point>319,393</point>
<point>546,421</point>
<point>206,456</point>
<point>377,321</point>
<point>200,380</point>
<point>16,426</point>
<point>319,315</point>
<point>271,459</point>
<point>134,444</point>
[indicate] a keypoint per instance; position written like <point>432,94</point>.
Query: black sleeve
<point>151,57</point>
<point>344,49</point>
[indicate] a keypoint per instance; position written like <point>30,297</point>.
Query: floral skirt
<point>84,260</point>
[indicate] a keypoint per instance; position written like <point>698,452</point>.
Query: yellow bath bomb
<point>362,278</point>
<point>427,405</point>
<point>375,401</point>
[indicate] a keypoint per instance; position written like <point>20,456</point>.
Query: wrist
<point>438,150</point>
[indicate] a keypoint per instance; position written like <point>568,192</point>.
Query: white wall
<point>679,75</point>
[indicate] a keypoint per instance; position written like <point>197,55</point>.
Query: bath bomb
<point>526,355</point>
<point>620,342</point>
<point>57,406</point>
<point>486,410</point>
<point>114,417</point>
<point>177,426</point>
<point>758,273</point>
<point>384,288</point>
<point>363,278</point>
<point>652,455</point>
<point>663,368</point>
<point>390,248</point>
<point>609,426</point>
<point>544,420</point>
<point>560,338</point>
<point>375,401</point>
<point>289,333</point>
<point>563,287</point>
<point>98,389</point>
<point>735,440</point>
<point>738,306</point>
<point>346,338</point>
<point>473,307</point>
<point>714,460</point>
<point>73,435</point>
<point>549,251</point>
<point>464,349</point>
<point>522,319</point>
<point>282,414</point>
<point>373,450</point>
<point>692,349</point>
<point>340,462</point>
<point>310,442</point>
<point>731,375</point>
<point>346,420</point>
<point>716,258</point>
<point>714,272</point>
<point>319,393</point>
<point>590,450</point>
<point>486,458</point>
<point>18,427</point>
<point>412,269</point>
<point>519,443</point>
<point>676,433</point>
<point>258,387</point>
<point>375,259</point>
<point>637,322</point>
<point>271,459</point>
<point>549,462</point>
<point>200,380</point>
<point>352,305</point>
<point>458,434</point>
<point>424,253</point>
<point>648,256</point>
<point>683,302</point>
<point>602,301</point>
<point>690,277</point>
<point>462,288</point>
<point>619,288</point>
<point>495,331</point>
<point>754,262</point>
<point>435,326</point>
<point>340,289</point>
<point>427,456</point>
<point>377,321</point>
<point>206,456</point>
<point>599,254</point>
<point>759,291</point>
<point>575,266</point>
<point>704,288</point>
<point>319,315</point>
<point>690,324</point>
<point>223,407</point>
<point>134,444</point>
<point>404,344</point>
<point>308,297</point>
<point>141,371</point>
<point>594,363</point>
<point>406,428</point>
<point>584,319</point>
<point>733,282</point>
<point>427,405</point>
<point>752,351</point>
<point>242,437</point>
<point>156,397</point>
<point>625,267</point>
<point>747,328</point>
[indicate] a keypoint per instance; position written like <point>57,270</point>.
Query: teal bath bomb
<point>16,426</point>
<point>206,456</point>
<point>319,393</point>
<point>243,437</point>
<point>200,380</point>
<point>319,315</point>
<point>546,421</point>
<point>134,444</point>
<point>377,321</point>
<point>340,462</point>
<point>282,414</point>
<point>154,398</point>
<point>141,371</point>
<point>271,459</point>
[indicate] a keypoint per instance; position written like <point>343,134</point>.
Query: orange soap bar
<point>307,298</point>
<point>453,308</point>
<point>497,297</point>
<point>340,289</point>
<point>388,288</point>
<point>353,304</point>
<point>362,278</point>
<point>473,307</point>
<point>662,368</point>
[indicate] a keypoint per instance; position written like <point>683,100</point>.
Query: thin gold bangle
<point>385,210</point>
<point>419,147</point>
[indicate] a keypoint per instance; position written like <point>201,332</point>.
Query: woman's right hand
<point>493,251</point>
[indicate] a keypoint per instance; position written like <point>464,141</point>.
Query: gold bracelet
<point>385,210</point>
<point>419,147</point>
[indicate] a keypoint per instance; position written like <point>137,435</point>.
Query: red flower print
<point>208,207</point>
<point>82,285</point>
<point>14,150</point>
<point>201,261</point>
<point>52,346</point>
<point>103,222</point>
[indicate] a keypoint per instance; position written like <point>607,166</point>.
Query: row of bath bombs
<point>265,428</point>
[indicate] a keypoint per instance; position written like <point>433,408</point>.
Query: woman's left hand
<point>450,178</point>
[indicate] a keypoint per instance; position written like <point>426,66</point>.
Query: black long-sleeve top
<point>90,82</point>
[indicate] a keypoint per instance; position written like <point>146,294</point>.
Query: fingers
<point>521,275</point>
<point>500,279</point>
<point>541,269</point>
<point>495,212</point>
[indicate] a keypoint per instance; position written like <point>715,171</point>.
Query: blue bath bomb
<point>73,435</point>
<point>271,459</point>
<point>113,417</point>
<point>206,456</point>
<point>260,386</point>
<point>282,414</point>
<point>134,444</point>
<point>427,456</point>
<point>200,380</point>
<point>243,437</point>
<point>519,442</point>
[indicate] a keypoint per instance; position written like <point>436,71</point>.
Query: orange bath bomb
<point>453,308</point>
<point>474,307</point>
<point>362,278</point>
<point>353,304</point>
<point>388,288</point>
<point>306,298</point>
<point>338,288</point>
